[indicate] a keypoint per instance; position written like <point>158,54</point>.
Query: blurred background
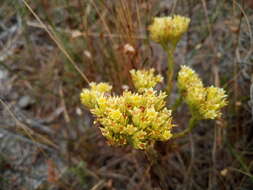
<point>48,50</point>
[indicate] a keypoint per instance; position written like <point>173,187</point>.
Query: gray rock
<point>3,74</point>
<point>25,101</point>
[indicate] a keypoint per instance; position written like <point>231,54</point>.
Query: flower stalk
<point>177,103</point>
<point>192,124</point>
<point>167,31</point>
<point>170,71</point>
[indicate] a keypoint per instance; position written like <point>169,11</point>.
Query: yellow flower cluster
<point>89,97</point>
<point>168,29</point>
<point>137,119</point>
<point>206,103</point>
<point>145,79</point>
<point>215,100</point>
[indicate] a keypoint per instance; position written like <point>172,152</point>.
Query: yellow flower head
<point>89,97</point>
<point>137,119</point>
<point>206,103</point>
<point>188,78</point>
<point>168,29</point>
<point>145,79</point>
<point>100,87</point>
<point>216,99</point>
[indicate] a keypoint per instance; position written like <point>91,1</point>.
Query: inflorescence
<point>205,103</point>
<point>138,119</point>
<point>165,30</point>
<point>145,79</point>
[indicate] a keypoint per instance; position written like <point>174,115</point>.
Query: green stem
<point>152,154</point>
<point>192,125</point>
<point>170,72</point>
<point>178,102</point>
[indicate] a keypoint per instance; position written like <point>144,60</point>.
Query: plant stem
<point>152,154</point>
<point>178,102</point>
<point>192,124</point>
<point>156,167</point>
<point>170,71</point>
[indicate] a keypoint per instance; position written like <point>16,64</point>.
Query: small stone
<point>25,101</point>
<point>224,172</point>
<point>3,74</point>
<point>79,111</point>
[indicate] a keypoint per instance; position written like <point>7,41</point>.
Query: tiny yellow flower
<point>145,79</point>
<point>90,96</point>
<point>188,78</point>
<point>129,130</point>
<point>216,99</point>
<point>116,116</point>
<point>100,87</point>
<point>165,30</point>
